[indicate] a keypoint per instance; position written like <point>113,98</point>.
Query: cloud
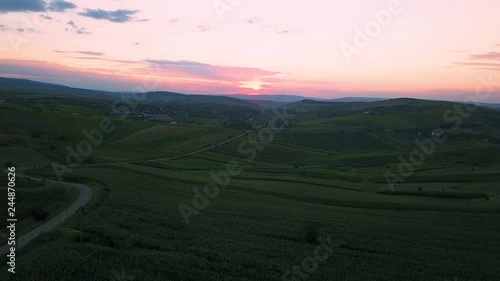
<point>485,61</point>
<point>4,27</point>
<point>76,29</point>
<point>253,20</point>
<point>82,30</point>
<point>207,71</point>
<point>29,29</point>
<point>22,6</point>
<point>114,16</point>
<point>54,73</point>
<point>203,28</point>
<point>88,53</point>
<point>486,56</point>
<point>46,17</point>
<point>176,20</point>
<point>277,29</point>
<point>479,64</point>
<point>72,24</point>
<point>97,56</point>
<point>287,31</point>
<point>7,6</point>
<point>60,6</point>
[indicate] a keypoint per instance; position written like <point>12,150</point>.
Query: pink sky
<point>428,49</point>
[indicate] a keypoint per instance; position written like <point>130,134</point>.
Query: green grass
<point>333,141</point>
<point>22,156</point>
<point>326,170</point>
<point>244,235</point>
<point>31,201</point>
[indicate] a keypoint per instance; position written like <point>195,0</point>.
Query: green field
<point>324,175</point>
<point>36,203</point>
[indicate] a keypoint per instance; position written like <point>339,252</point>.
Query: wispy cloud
<point>76,29</point>
<point>54,73</point>
<point>287,31</point>
<point>176,20</point>
<point>203,28</point>
<point>89,53</point>
<point>484,61</point>
<point>102,58</point>
<point>72,24</point>
<point>118,16</point>
<point>46,17</point>
<point>479,64</point>
<point>207,71</point>
<point>276,28</point>
<point>60,6</point>
<point>486,56</point>
<point>24,29</point>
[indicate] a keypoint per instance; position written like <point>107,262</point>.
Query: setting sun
<point>254,85</point>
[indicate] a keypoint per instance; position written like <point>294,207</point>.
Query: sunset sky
<point>323,48</point>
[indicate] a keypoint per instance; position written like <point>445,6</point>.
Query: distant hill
<point>254,101</point>
<point>275,98</point>
<point>491,105</point>
<point>357,99</point>
<point>25,85</point>
<point>41,87</point>
<point>294,98</point>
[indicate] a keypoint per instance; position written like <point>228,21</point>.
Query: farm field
<point>39,201</point>
<point>320,178</point>
<point>137,228</point>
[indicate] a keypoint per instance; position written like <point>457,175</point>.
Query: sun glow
<point>254,85</point>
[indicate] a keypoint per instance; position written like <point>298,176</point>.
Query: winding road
<point>83,198</point>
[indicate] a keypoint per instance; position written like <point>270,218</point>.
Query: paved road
<point>84,198</point>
